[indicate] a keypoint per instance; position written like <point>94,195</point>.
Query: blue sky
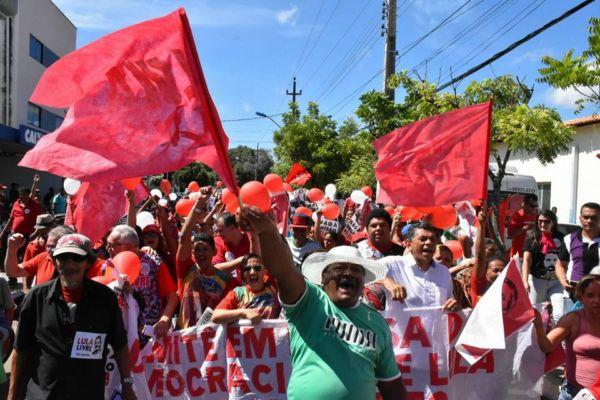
<point>250,49</point>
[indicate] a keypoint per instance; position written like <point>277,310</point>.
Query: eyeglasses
<point>544,221</point>
<point>256,268</point>
<point>78,258</point>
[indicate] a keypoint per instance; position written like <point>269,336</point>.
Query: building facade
<point>33,35</point>
<point>570,180</point>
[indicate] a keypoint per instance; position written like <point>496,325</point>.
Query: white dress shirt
<point>423,288</point>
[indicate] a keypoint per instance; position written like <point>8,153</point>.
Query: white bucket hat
<point>315,263</point>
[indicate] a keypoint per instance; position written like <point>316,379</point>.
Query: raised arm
<point>131,220</point>
<point>184,251</point>
<point>34,186</point>
<point>163,222</point>
<point>480,258</point>
<point>275,253</point>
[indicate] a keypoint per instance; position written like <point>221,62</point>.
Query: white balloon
<point>144,219</point>
<point>358,197</point>
<point>330,191</point>
<point>71,186</point>
<point>156,193</point>
<point>163,202</point>
<point>172,196</point>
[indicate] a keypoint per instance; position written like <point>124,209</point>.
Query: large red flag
<point>138,105</point>
<point>436,161</point>
<point>298,175</point>
<point>97,207</point>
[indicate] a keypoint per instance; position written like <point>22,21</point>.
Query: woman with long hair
<point>540,254</point>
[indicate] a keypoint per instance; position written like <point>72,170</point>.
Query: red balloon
<point>367,191</point>
<point>256,194</point>
<point>408,213</point>
<point>273,182</point>
<point>390,210</point>
<point>326,200</point>
<point>426,210</point>
<point>227,197</point>
<point>131,183</point>
<point>443,217</point>
<point>128,263</point>
<point>304,210</point>
<point>315,194</point>
<point>455,248</point>
<point>331,211</point>
<point>476,203</point>
<point>232,207</point>
<point>288,187</point>
<point>193,186</point>
<point>184,206</point>
<point>165,187</point>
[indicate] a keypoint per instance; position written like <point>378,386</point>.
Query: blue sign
<point>29,136</point>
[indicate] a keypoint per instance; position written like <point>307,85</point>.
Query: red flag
<point>436,161</point>
<point>298,175</point>
<point>138,105</point>
<point>97,207</point>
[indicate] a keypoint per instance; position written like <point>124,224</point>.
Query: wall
<point>581,157</point>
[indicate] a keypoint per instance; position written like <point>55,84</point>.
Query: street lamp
<point>260,114</point>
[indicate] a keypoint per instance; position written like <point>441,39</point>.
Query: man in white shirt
<point>426,283</point>
<point>300,244</point>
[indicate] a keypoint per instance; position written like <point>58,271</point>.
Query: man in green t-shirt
<point>341,348</point>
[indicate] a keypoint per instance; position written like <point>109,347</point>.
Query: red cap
<point>151,228</point>
<point>301,221</point>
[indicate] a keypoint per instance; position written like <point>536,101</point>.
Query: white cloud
<point>532,56</point>
<point>565,98</point>
<point>246,107</point>
<point>288,16</point>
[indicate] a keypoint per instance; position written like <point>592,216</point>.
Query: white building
<point>571,180</point>
<point>33,34</point>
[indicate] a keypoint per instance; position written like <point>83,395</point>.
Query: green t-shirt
<point>337,353</point>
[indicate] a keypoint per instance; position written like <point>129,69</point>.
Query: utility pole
<point>294,93</point>
<point>256,164</point>
<point>390,44</point>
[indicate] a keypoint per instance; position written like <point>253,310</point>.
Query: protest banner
<point>424,339</point>
<point>329,225</point>
<point>352,226</point>
<point>232,361</point>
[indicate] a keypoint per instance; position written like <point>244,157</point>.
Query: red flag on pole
<point>436,161</point>
<point>138,105</point>
<point>298,175</point>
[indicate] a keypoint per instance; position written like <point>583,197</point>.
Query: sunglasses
<point>70,256</point>
<point>256,268</point>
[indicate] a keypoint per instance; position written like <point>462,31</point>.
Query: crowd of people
<point>330,287</point>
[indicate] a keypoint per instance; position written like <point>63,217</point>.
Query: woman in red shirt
<point>255,301</point>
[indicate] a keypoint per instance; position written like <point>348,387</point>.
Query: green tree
<point>194,172</point>
<point>244,162</point>
<point>580,73</point>
<point>523,129</point>
<point>314,141</point>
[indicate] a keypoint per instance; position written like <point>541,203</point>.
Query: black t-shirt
<point>70,353</point>
<point>543,265</point>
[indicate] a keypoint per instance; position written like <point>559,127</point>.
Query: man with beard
<point>379,243</point>
<point>65,326</point>
<point>341,348</point>
<point>426,282</point>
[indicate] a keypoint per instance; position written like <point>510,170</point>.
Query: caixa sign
<point>29,136</point>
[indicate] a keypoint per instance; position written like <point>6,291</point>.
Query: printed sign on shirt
<point>88,345</point>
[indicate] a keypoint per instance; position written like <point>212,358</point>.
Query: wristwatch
<point>127,380</point>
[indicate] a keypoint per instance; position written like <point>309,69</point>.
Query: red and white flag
<point>503,310</point>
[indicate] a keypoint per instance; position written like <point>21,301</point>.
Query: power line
<point>319,37</point>
<point>312,28</point>
<point>516,44</point>
<point>249,118</point>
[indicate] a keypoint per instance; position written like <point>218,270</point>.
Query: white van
<point>512,183</point>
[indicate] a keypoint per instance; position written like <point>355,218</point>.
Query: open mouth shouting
<point>348,285</point>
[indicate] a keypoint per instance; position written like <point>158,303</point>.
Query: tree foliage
<point>580,73</point>
<point>314,141</point>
